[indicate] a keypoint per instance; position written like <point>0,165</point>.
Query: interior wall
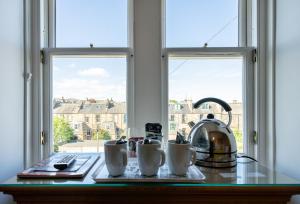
<point>287,87</point>
<point>147,45</point>
<point>11,90</point>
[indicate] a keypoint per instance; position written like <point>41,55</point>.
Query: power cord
<point>245,156</point>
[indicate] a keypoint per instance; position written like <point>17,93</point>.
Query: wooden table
<point>247,183</point>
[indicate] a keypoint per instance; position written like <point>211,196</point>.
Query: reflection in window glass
<point>191,79</point>
<point>100,22</point>
<point>192,23</point>
<point>89,102</point>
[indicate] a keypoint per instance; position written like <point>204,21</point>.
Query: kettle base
<point>213,164</point>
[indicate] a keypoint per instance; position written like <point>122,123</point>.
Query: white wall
<point>147,44</point>
<point>11,89</point>
<point>288,87</point>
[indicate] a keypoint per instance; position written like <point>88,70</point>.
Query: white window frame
<point>244,50</point>
<point>36,38</point>
<point>248,83</point>
<point>50,51</point>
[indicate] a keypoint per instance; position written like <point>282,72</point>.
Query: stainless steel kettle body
<point>213,140</point>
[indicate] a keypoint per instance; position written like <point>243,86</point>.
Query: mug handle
<point>124,154</point>
<point>163,157</point>
<point>193,159</point>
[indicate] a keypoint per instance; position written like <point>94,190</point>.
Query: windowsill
<point>247,182</point>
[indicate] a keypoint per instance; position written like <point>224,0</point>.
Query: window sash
<point>84,52</point>
<point>248,84</point>
<point>51,50</point>
<point>50,23</point>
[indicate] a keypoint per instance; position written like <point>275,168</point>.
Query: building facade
<point>87,117</point>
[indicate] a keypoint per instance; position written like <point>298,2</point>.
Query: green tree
<point>63,132</point>
<point>101,134</point>
<point>173,101</point>
<point>239,139</point>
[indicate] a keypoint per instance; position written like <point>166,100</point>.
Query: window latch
<point>28,76</point>
<point>43,142</point>
<point>254,137</point>
<point>254,56</point>
<point>42,56</point>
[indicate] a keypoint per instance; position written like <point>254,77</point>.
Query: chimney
<point>189,103</point>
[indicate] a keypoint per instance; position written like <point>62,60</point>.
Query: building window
<point>206,106</point>
<point>183,118</point>
<point>97,118</point>
<point>124,118</point>
<point>172,118</point>
<point>200,116</point>
<point>88,134</point>
<point>172,127</point>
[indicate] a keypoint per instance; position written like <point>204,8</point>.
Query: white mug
<point>150,157</point>
<point>180,157</point>
<point>115,157</point>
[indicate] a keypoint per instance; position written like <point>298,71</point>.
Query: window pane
<point>192,23</point>
<point>100,22</point>
<point>191,79</point>
<point>89,102</point>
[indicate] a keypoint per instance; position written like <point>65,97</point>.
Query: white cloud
<point>93,72</point>
<point>82,88</point>
<point>72,65</point>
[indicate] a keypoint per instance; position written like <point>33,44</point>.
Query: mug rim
<point>113,143</point>
<point>140,142</point>
<point>173,142</point>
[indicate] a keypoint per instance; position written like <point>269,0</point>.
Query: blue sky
<point>189,23</point>
<point>98,78</point>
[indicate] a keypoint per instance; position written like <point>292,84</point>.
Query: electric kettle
<point>212,139</point>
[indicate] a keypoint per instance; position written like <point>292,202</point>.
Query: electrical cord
<point>248,157</point>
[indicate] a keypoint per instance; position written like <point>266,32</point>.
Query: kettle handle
<point>222,103</point>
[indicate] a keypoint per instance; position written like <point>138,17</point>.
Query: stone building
<point>181,113</point>
<point>89,116</point>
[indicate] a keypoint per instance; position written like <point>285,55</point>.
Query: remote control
<point>65,162</point>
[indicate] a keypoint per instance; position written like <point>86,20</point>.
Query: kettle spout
<point>191,124</point>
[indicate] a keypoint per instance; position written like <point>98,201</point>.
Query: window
<point>97,118</point>
<point>100,23</point>
<point>86,73</point>
<point>183,118</point>
<point>200,116</point>
<point>172,127</point>
<point>219,77</point>
<point>90,69</point>
<point>199,23</point>
<point>88,87</point>
<point>205,106</point>
<point>207,58</point>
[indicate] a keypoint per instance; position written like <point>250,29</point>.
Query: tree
<point>63,132</point>
<point>239,139</point>
<point>173,101</point>
<point>101,134</point>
